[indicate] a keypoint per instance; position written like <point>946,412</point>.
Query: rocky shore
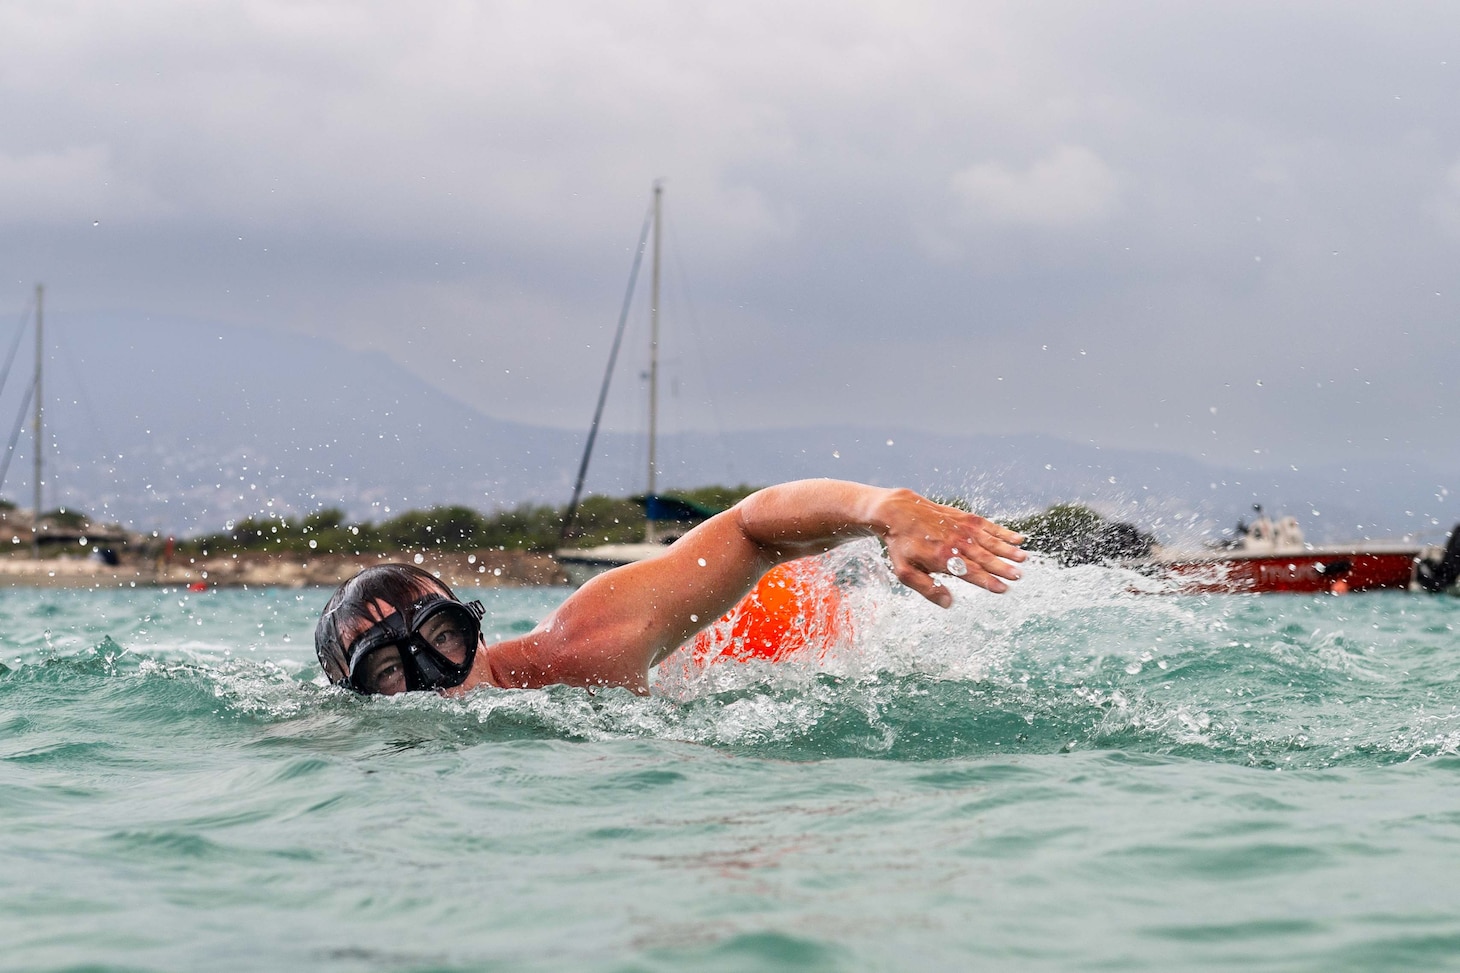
<point>480,569</point>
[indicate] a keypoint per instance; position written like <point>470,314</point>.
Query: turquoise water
<point>1071,777</point>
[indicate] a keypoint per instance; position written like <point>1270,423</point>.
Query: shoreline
<point>466,569</point>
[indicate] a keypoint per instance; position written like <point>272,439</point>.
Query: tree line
<point>1071,533</point>
<point>448,528</point>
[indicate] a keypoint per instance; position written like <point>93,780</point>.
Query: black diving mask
<point>435,652</point>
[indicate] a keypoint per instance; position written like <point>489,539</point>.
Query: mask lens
<point>451,632</point>
<point>381,671</point>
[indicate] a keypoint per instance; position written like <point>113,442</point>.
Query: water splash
<point>1078,658</point>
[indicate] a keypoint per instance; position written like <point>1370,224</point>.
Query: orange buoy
<point>794,605</point>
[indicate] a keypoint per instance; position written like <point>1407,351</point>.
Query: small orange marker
<point>794,605</point>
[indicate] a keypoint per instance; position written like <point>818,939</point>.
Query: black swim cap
<point>402,586</point>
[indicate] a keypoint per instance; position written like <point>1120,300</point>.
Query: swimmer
<point>395,628</point>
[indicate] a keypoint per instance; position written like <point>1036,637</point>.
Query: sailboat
<point>666,518</point>
<point>32,396</point>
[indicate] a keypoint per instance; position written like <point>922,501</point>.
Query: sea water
<point>1079,775</point>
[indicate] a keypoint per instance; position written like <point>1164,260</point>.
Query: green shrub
<point>1074,534</point>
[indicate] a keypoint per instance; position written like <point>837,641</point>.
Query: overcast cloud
<point>1229,230</point>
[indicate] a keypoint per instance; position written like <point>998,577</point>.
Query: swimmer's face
<point>383,671</point>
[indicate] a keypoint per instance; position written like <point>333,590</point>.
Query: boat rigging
<point>666,518</point>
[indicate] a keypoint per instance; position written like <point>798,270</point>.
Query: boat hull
<point>1303,572</point>
<point>583,564</point>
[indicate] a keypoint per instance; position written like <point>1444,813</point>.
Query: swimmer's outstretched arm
<point>613,629</point>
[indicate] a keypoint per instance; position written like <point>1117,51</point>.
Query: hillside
<point>180,427</point>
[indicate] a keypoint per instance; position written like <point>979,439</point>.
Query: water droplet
<point>702,562</point>
<point>419,559</point>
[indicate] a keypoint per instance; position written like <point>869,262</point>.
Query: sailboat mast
<point>35,543</point>
<point>649,534</point>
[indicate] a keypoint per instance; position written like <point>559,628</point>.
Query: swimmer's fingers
<point>981,565</point>
<point>923,583</point>
<point>980,552</point>
<point>924,537</point>
<point>1000,539</point>
<point>984,570</point>
<point>994,541</point>
<point>929,576</point>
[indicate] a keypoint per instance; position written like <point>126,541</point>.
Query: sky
<point>1229,230</point>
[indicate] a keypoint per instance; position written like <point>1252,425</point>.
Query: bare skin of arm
<point>619,625</point>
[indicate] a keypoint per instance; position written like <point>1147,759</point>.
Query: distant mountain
<point>181,427</point>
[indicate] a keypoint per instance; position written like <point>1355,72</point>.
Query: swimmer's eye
<point>447,638</point>
<point>387,676</point>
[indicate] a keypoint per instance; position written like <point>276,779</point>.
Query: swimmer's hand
<point>922,537</point>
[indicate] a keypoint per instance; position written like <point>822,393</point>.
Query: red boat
<point>1271,556</point>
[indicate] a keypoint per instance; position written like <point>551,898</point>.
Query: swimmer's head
<point>395,627</point>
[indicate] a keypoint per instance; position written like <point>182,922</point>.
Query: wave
<point>1072,659</point>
